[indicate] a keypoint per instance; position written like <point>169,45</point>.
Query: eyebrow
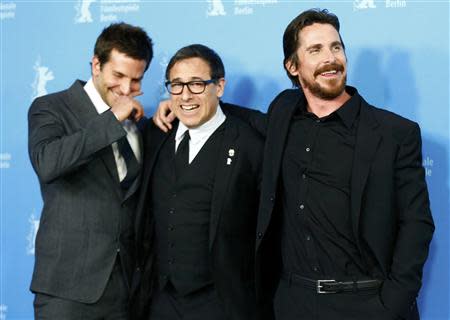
<point>191,79</point>
<point>118,73</point>
<point>314,46</point>
<point>319,45</point>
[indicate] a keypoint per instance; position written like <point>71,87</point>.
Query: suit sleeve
<point>255,119</point>
<point>415,227</point>
<point>55,149</point>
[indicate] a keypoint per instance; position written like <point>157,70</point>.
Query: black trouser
<point>203,304</point>
<point>112,305</point>
<point>296,302</point>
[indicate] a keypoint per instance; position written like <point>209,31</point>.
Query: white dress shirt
<point>200,134</point>
<point>131,129</point>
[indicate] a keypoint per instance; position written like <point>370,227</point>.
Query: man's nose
<point>125,87</point>
<point>186,94</point>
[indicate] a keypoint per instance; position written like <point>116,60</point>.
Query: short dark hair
<point>125,38</point>
<point>199,51</point>
<point>291,34</point>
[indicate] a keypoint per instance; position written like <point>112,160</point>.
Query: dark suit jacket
<point>86,217</point>
<point>390,210</point>
<point>234,208</point>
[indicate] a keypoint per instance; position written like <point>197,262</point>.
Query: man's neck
<point>322,108</point>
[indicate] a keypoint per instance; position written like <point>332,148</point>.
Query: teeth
<point>329,72</point>
<point>188,107</point>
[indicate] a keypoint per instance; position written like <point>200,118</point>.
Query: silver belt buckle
<point>320,286</point>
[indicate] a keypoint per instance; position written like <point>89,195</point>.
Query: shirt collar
<point>349,111</point>
<point>203,131</point>
<point>95,97</point>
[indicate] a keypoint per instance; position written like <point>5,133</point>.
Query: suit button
<point>272,198</point>
<point>138,269</point>
<point>170,228</point>
<point>260,235</point>
<point>171,210</point>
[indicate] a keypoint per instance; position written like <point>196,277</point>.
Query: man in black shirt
<point>344,222</point>
<point>343,191</point>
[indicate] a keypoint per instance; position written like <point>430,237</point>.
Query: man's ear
<point>96,66</point>
<point>220,87</point>
<point>291,67</point>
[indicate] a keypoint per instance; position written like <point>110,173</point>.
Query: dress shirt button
<point>304,176</point>
<point>308,149</point>
<point>174,195</point>
<point>316,269</point>
<point>260,235</point>
<point>318,121</point>
<point>272,199</point>
<point>170,261</point>
<point>308,238</point>
<point>302,206</point>
<point>171,210</point>
<point>170,228</point>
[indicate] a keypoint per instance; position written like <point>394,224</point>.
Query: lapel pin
<point>229,161</point>
<point>231,153</point>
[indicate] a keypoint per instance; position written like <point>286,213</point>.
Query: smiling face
<point>322,66</point>
<point>191,109</point>
<point>120,75</point>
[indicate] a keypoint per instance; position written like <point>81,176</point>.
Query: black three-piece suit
<point>236,165</point>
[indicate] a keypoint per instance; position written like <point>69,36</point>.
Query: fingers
<point>159,123</point>
<point>168,119</point>
<point>125,107</point>
<point>136,94</point>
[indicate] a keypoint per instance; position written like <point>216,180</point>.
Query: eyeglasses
<point>195,87</point>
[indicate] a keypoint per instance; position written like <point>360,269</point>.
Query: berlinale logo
<point>83,14</point>
<point>215,8</point>
<point>31,237</point>
<point>43,75</point>
<point>363,4</point>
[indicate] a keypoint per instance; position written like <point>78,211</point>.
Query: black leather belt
<point>332,286</point>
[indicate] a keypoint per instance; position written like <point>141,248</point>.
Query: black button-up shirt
<point>317,237</point>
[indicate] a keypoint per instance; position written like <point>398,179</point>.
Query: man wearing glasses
<point>198,201</point>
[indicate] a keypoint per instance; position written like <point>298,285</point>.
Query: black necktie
<point>182,155</point>
<point>130,161</point>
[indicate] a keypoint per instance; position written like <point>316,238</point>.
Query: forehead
<point>120,62</point>
<point>318,33</point>
<point>190,68</point>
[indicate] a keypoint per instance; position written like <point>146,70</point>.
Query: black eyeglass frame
<point>168,83</point>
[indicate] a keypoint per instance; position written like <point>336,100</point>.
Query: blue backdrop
<point>398,56</point>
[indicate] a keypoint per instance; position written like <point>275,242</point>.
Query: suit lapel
<point>367,141</point>
<point>280,118</point>
<point>227,158</point>
<point>153,141</point>
<point>84,110</point>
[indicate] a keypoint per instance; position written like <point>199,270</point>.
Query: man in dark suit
<point>344,222</point>
<point>198,201</point>
<point>85,149</point>
<point>343,191</point>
